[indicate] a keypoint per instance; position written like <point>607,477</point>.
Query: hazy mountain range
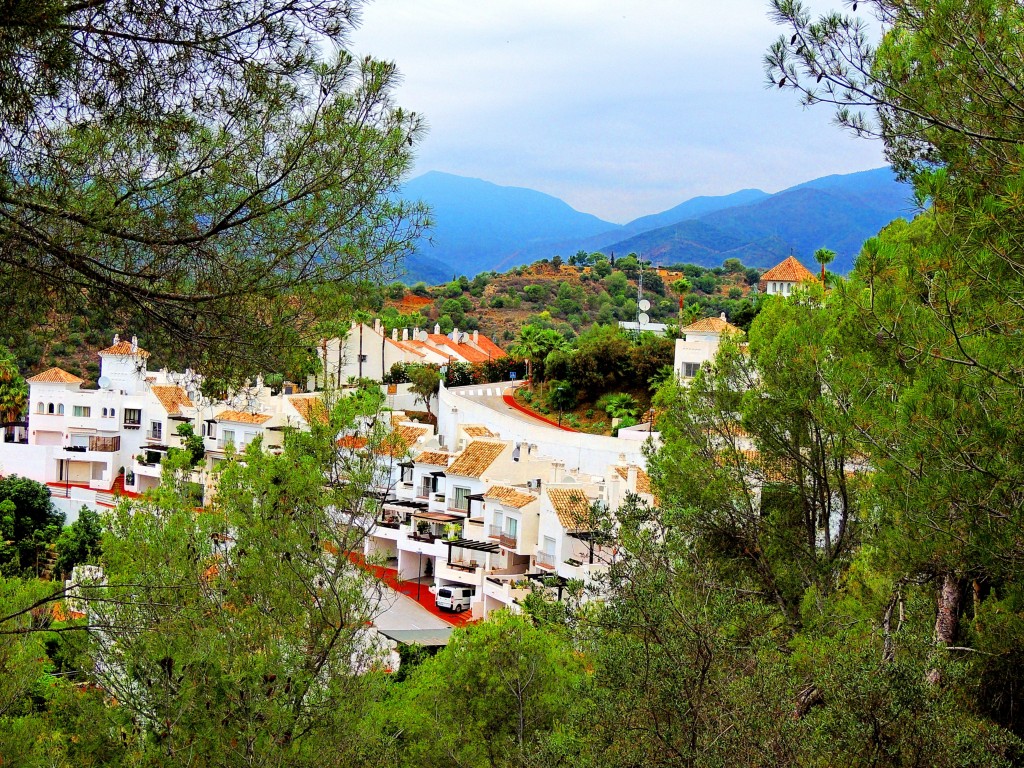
<point>483,226</point>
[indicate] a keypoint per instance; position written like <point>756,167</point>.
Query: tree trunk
<point>949,610</point>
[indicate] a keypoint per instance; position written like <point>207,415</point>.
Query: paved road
<point>401,612</point>
<point>491,396</point>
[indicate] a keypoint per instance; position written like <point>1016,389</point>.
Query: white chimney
<point>377,325</point>
<point>437,328</point>
<point>455,335</point>
<point>476,336</point>
<point>631,478</point>
<point>135,344</point>
<point>394,334</point>
<point>117,339</point>
<point>405,334</point>
<point>557,471</point>
<point>722,315</point>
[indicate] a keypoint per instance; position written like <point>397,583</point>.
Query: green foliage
<point>80,542</point>
<point>28,524</point>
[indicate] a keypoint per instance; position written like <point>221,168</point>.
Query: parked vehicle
<point>454,598</point>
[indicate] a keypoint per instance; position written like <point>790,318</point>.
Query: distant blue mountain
<point>482,226</point>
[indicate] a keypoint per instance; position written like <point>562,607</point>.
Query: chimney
<point>405,334</point>
<point>117,339</point>
<point>377,325</point>
<point>455,335</point>
<point>437,328</point>
<point>394,334</point>
<point>557,471</point>
<point>476,337</point>
<point>631,478</point>
<point>135,344</point>
<point>722,315</point>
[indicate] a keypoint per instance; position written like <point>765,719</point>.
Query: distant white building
<point>700,344</point>
<point>781,279</point>
<point>367,351</point>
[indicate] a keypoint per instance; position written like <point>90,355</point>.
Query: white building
<point>700,344</point>
<point>781,279</point>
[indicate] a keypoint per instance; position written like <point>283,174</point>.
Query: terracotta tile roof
<point>433,458</point>
<point>712,325</point>
<point>351,442</point>
<point>643,480</point>
<point>477,430</point>
<point>489,347</point>
<point>172,398</point>
<point>475,458</point>
<point>239,417</point>
<point>398,442</point>
<point>510,497</point>
<point>471,354</point>
<point>789,271</point>
<point>572,507</point>
<point>404,346</point>
<point>55,376</point>
<point>124,348</point>
<point>772,470</point>
<point>309,408</point>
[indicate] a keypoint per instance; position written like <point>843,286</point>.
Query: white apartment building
<point>699,344</point>
<point>781,279</point>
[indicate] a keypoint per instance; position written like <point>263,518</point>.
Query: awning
<point>406,464</point>
<point>437,517</point>
<point>476,546</point>
<point>179,417</point>
<point>210,421</point>
<point>476,497</point>
<point>404,507</point>
<point>439,474</point>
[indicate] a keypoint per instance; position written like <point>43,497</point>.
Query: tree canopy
<point>200,167</point>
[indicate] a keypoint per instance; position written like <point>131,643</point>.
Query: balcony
<point>546,560</point>
<point>508,541</point>
<point>494,531</point>
<point>155,436</point>
<point>105,444</point>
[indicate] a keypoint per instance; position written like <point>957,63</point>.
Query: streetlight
<point>419,573</point>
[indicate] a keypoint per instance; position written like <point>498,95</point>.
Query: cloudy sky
<point>619,108</point>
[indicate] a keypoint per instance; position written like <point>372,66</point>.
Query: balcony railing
<point>546,560</point>
<point>494,531</point>
<point>158,435</point>
<point>508,541</point>
<point>105,444</point>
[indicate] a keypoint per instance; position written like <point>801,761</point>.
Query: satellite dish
<point>104,382</point>
<point>644,318</point>
<point>644,305</point>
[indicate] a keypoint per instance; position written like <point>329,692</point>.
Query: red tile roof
<point>712,325</point>
<point>489,347</point>
<point>124,348</point>
<point>172,398</point>
<point>239,417</point>
<point>55,376</point>
<point>789,271</point>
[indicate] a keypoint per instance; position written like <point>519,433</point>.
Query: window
<point>41,408</point>
<point>49,408</point>
<point>228,437</point>
<point>407,473</point>
<point>549,546</point>
<point>362,358</point>
<point>690,370</point>
<point>497,519</point>
<point>428,485</point>
<point>156,429</point>
<point>461,500</point>
<point>132,417</point>
<point>82,411</point>
<point>202,429</point>
<point>60,409</point>
<point>512,527</point>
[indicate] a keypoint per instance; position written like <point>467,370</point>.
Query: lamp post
<point>419,573</point>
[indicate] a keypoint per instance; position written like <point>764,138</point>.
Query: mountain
<point>483,226</point>
<point>837,212</point>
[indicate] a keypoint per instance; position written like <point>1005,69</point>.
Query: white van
<point>454,598</point>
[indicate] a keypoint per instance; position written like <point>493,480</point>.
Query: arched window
<point>49,408</point>
<point>41,408</point>
<point>60,409</point>
<point>112,413</point>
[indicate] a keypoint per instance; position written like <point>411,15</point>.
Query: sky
<point>621,109</point>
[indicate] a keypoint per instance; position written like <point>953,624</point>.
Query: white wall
<point>591,454</point>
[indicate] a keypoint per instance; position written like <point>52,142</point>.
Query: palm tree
<point>13,390</point>
<point>621,405</point>
<point>533,345</point>
<point>824,256</point>
<point>561,396</point>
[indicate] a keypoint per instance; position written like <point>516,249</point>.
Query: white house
<point>781,279</point>
<point>700,344</point>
